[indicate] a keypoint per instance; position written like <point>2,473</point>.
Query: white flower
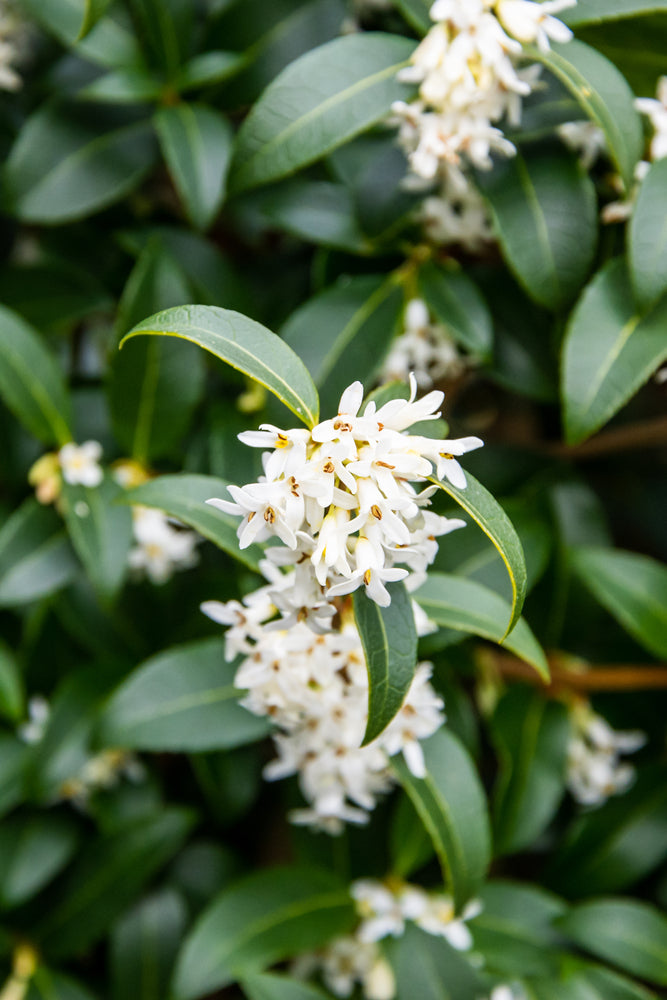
<point>80,463</point>
<point>534,22</point>
<point>424,348</point>
<point>39,712</point>
<point>347,961</point>
<point>595,770</point>
<point>656,110</point>
<point>161,547</point>
<point>13,38</point>
<point>585,138</point>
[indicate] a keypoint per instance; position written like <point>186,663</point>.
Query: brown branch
<point>624,677</point>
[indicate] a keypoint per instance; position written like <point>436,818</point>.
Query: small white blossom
<point>534,22</point>
<point>656,111</point>
<point>12,45</point>
<point>161,546</point>
<point>39,712</point>
<point>424,348</point>
<point>80,463</point>
<point>595,770</point>
<point>585,138</point>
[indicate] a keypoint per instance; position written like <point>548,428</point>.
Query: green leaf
<point>154,384</point>
<point>633,588</point>
<point>66,165</point>
<point>165,30</point>
<point>245,345</point>
<point>48,985</point>
<point>531,735</point>
<point>317,103</point>
<point>592,982</point>
<point>196,143</point>
<point>609,351</point>
<point>33,850</point>
<point>389,638</point>
<point>133,85</point>
<point>12,694</point>
<point>598,11</point>
<point>617,844</point>
<point>31,383</point>
<point>428,968</point>
<point>181,700</point>
<point>144,944</point>
<point>451,803</point>
<point>544,210</point>
<point>13,759</point>
<point>208,68</point>
<point>262,919</point>
<point>515,930</point>
<point>36,558</point>
<point>626,933</point>
<point>410,845</point>
<point>457,302</point>
<point>454,602</point>
<point>354,321</point>
<point>108,874</point>
<point>317,211</point>
<point>184,497</point>
<point>605,96</point>
<point>272,987</point>
<point>52,292</point>
<point>101,532</point>
<point>416,13</point>
<point>494,522</point>
<point>70,21</point>
<point>647,237</point>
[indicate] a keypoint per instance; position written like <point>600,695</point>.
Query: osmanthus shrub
<point>333,629</point>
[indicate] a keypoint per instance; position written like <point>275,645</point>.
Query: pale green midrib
<point>82,153</point>
<point>352,327</point>
<point>183,703</point>
<point>331,102</point>
<point>530,731</point>
<point>48,408</point>
<point>289,397</point>
<point>541,227</point>
<point>147,404</point>
<point>455,842</point>
<point>603,369</point>
<point>641,595</point>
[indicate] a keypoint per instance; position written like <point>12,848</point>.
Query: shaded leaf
<point>273,987</point>
<point>458,303</point>
<point>101,532</point>
<point>144,944</point>
<point>429,968</point>
<point>36,558</point>
<point>33,850</point>
<point>647,237</point>
<point>13,760</point>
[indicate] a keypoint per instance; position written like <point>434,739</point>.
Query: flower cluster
<point>384,909</point>
<point>425,348</point>
<point>595,770</point>
<point>466,69</point>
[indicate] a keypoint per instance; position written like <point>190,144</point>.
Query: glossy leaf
<point>451,804</point>
<point>316,104</point>
<point>66,166</point>
<point>429,968</point>
<point>354,320</point>
<point>457,302</point>
<point>274,987</point>
<point>208,68</point>
<point>605,96</point>
<point>629,934</point>
<point>598,11</point>
<point>633,588</point>
<point>609,351</point>
<point>123,86</point>
<point>389,638</point>
<point>494,522</point>
<point>531,735</point>
<point>31,383</point>
<point>647,238</point>
<point>12,696</point>
<point>36,558</point>
<point>245,345</point>
<point>196,142</point>
<point>454,602</point>
<point>544,210</point>
<point>71,21</point>
<point>184,497</point>
<point>416,13</point>
<point>33,850</point>
<point>262,919</point>
<point>144,944</point>
<point>183,700</point>
<point>101,532</point>
<point>108,874</point>
<point>317,211</point>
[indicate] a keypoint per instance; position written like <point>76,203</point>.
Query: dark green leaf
<point>647,237</point>
<point>410,844</point>
<point>262,919</point>
<point>182,700</point>
<point>273,987</point>
<point>630,935</point>
<point>31,383</point>
<point>605,96</point>
<point>451,804</point>
<point>52,292</point>
<point>454,602</point>
<point>457,302</point>
<point>246,346</point>
<point>208,68</point>
<point>389,638</point>
<point>416,13</point>
<point>494,522</point>
<point>319,102</point>
<point>531,734</point>
<point>144,944</point>
<point>354,321</point>
<point>632,588</point>
<point>108,874</point>
<point>35,556</point>
<point>12,695</point>
<point>68,165</point>
<point>196,143</point>
<point>430,969</point>
<point>13,760</point>
<point>165,29</point>
<point>101,532</point>
<point>545,215</point>
<point>609,351</point>
<point>184,496</point>
<point>317,211</point>
<point>69,21</point>
<point>597,11</point>
<point>33,850</point>
<point>123,86</point>
<point>48,985</point>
